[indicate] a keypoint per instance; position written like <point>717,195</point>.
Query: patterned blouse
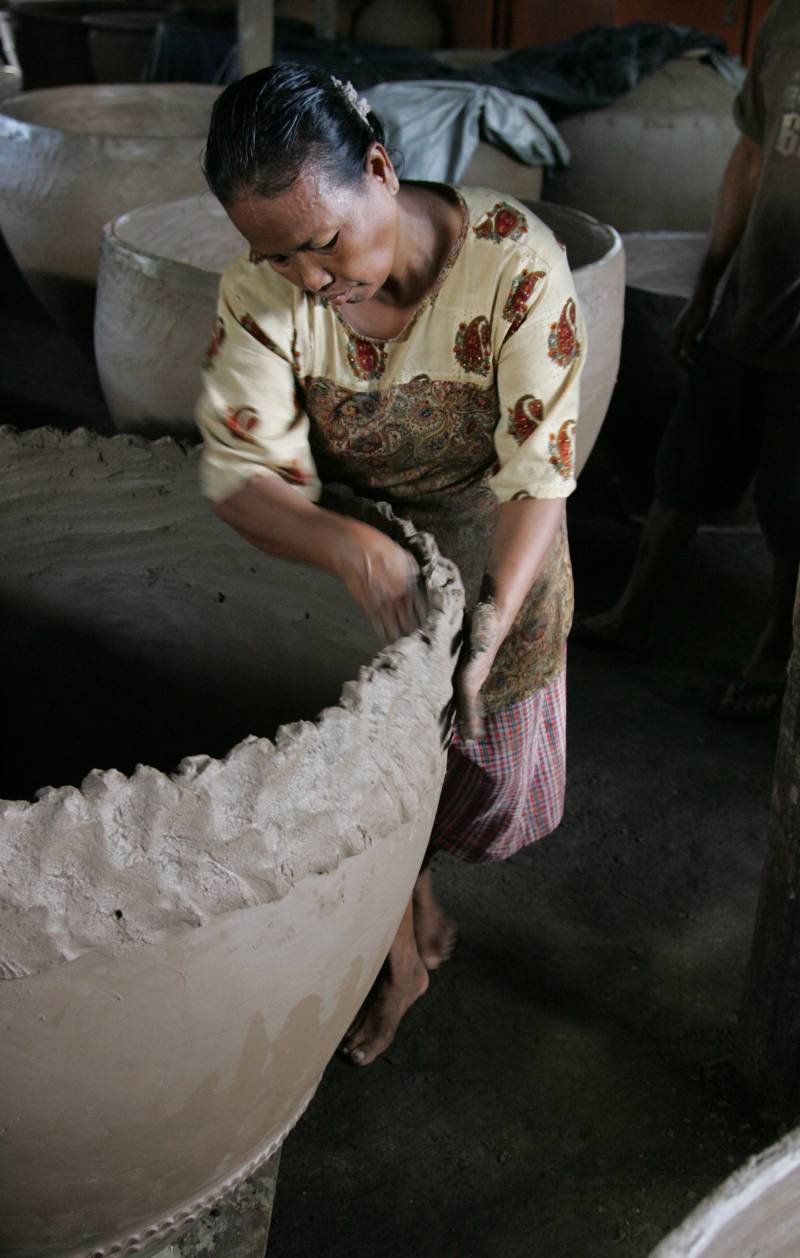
<point>473,404</point>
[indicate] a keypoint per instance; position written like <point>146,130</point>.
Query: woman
<point>421,344</point>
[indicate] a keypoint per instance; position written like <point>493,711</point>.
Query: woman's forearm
<point>524,533</point>
<point>381,576</point>
<point>280,521</point>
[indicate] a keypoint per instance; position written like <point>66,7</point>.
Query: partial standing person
<point>422,345</point>
<point>739,414</point>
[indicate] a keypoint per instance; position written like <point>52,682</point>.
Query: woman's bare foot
<point>404,980</point>
<point>434,931</point>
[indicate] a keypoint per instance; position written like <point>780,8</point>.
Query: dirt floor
<point>567,1089</point>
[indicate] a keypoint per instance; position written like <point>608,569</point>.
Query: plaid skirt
<point>506,790</point>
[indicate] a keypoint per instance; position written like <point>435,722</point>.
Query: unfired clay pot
<point>755,1212</point>
<point>157,291</point>
<point>655,158</point>
<point>73,158</point>
<point>183,950</point>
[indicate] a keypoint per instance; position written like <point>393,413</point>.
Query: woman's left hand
<point>485,636</point>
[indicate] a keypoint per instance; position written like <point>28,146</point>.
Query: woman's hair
<point>267,126</point>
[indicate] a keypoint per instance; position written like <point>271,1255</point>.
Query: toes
<point>362,1048</point>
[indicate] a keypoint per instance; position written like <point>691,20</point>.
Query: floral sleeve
<point>249,412</point>
<point>538,371</point>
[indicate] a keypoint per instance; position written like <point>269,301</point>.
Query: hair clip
<point>359,103</point>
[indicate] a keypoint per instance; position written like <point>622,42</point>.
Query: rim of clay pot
<point>598,229</point>
<point>97,91</point>
<point>440,579</point>
<point>687,242</point>
<point>113,232</point>
<point>699,1229</point>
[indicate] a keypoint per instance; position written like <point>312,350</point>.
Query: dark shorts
<point>734,424</point>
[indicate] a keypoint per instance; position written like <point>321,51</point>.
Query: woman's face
<point>335,240</point>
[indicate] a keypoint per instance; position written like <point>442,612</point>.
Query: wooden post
<point>770,1039</point>
<point>256,34</point>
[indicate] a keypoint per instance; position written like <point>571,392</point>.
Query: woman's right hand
<point>383,579</point>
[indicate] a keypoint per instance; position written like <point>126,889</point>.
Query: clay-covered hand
<point>384,579</point>
<point>485,634</point>
<point>690,324</point>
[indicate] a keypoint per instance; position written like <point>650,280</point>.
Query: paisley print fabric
<point>525,417</point>
<point>516,307</point>
<point>242,422</point>
<point>561,453</point>
<point>422,437</point>
<point>563,345</point>
<point>472,405</point>
<point>367,358</point>
<point>258,334</point>
<point>473,346</point>
<point>502,222</point>
<point>216,342</point>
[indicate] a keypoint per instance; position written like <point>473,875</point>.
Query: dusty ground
<point>567,1089</point>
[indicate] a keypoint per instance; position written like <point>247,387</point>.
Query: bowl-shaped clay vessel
<point>755,1212</point>
<point>157,292</point>
<point>73,158</point>
<point>182,951</point>
<point>655,158</point>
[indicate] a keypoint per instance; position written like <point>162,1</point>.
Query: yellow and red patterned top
<point>473,404</point>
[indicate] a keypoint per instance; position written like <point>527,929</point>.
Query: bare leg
<point>404,980</point>
<point>666,535</point>
<point>767,666</point>
<point>435,932</point>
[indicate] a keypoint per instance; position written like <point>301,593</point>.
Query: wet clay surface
<point>566,1089</point>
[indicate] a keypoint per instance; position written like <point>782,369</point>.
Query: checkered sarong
<point>506,789</point>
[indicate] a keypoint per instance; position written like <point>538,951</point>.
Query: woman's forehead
<point>304,212</point>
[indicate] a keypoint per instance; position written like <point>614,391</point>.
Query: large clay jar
<point>755,1212</point>
<point>183,948</point>
<point>655,158</point>
<point>52,41</point>
<point>73,158</point>
<point>157,293</point>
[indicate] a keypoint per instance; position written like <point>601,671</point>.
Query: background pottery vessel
<point>53,43</point>
<point>183,952</point>
<point>119,43</point>
<point>755,1212</point>
<point>655,158</point>
<point>73,158</point>
<point>156,299</point>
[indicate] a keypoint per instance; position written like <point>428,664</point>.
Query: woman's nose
<point>313,275</point>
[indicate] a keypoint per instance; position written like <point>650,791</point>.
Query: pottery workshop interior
<point>399,833</point>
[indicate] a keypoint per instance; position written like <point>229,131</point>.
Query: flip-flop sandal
<point>746,688</point>
<point>581,635</point>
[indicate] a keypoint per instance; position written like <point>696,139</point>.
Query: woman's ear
<point>378,165</point>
